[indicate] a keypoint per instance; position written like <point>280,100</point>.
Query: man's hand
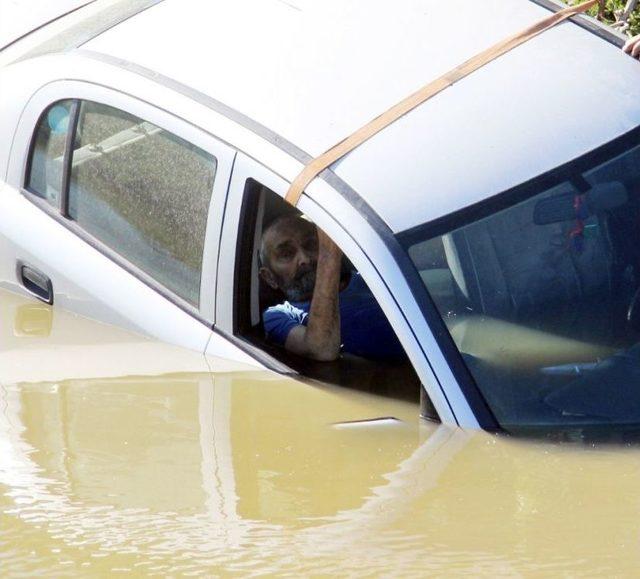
<point>632,47</point>
<point>320,338</point>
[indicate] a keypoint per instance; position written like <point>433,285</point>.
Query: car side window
<point>140,190</point>
<point>44,177</point>
<point>374,372</point>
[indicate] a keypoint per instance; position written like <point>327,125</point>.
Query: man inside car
<point>328,308</point>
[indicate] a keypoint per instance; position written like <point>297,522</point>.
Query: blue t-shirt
<point>364,328</point>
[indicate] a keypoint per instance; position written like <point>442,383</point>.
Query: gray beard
<point>301,289</point>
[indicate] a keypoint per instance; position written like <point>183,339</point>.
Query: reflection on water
<point>182,472</point>
<point>243,472</point>
<point>33,319</point>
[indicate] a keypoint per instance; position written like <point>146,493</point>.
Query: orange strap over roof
<point>319,164</point>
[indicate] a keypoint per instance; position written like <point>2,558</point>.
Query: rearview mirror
<point>601,197</point>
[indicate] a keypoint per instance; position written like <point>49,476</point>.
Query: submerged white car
<point>146,145</point>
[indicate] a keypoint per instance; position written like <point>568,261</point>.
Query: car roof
<point>313,72</point>
<point>16,22</point>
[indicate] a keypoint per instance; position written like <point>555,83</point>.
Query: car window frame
<point>450,405</point>
<point>224,154</point>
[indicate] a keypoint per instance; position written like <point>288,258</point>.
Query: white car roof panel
<point>313,72</point>
<point>502,126</point>
<point>15,21</point>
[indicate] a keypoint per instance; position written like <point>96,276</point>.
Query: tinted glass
<point>144,192</point>
<point>47,157</point>
<point>542,299</point>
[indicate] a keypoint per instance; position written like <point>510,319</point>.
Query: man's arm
<point>320,338</point>
<point>632,47</point>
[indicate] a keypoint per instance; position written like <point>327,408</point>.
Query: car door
<point>112,209</point>
<point>239,307</point>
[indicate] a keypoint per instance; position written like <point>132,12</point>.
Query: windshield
<point>539,290</point>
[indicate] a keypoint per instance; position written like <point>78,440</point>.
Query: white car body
<point>16,22</point>
<point>310,75</point>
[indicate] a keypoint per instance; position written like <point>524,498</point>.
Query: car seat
<point>508,267</point>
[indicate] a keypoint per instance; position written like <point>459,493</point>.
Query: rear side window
<point>133,186</point>
<point>47,156</point>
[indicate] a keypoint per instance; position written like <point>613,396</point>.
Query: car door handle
<point>35,282</point>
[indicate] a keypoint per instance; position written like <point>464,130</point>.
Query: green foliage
<point>609,16</point>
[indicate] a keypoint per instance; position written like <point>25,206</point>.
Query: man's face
<point>291,251</point>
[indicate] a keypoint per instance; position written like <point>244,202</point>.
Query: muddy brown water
<point>119,455</point>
